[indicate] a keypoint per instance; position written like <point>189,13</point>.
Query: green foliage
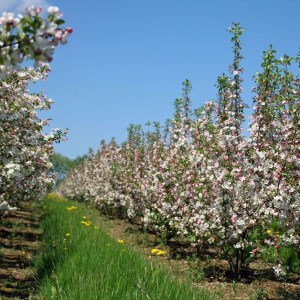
<point>287,257</point>
<point>62,165</point>
<point>276,252</point>
<point>290,259</point>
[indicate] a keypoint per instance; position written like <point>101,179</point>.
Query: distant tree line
<point>63,164</point>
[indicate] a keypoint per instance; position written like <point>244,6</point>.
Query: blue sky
<point>126,59</point>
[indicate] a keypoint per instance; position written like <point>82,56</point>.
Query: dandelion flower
<point>71,208</point>
<point>158,252</point>
<point>161,252</point>
<point>120,241</point>
<point>86,223</point>
<point>153,251</point>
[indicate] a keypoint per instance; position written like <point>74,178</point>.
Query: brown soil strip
<point>22,222</point>
<point>31,234</point>
<point>19,241</point>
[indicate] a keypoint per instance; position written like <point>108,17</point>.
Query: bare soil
<point>19,241</point>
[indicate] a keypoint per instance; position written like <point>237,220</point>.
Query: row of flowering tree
<point>24,147</point>
<point>201,177</point>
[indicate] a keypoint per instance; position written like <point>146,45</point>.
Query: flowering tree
<point>245,184</point>
<point>275,151</point>
<point>24,148</point>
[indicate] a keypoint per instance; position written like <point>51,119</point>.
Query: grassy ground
<point>79,260</point>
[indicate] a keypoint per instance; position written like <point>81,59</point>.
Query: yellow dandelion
<point>68,234</point>
<point>84,217</point>
<point>269,231</point>
<point>86,223</point>
<point>153,251</point>
<point>158,252</point>
<point>120,241</point>
<point>71,208</point>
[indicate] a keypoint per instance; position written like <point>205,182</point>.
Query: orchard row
<point>199,177</point>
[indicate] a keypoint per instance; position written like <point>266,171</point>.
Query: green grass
<point>78,261</point>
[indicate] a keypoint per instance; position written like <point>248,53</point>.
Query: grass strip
<point>79,260</point>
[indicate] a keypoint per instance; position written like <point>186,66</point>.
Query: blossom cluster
<point>30,37</point>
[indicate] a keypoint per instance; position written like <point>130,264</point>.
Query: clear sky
<point>126,59</point>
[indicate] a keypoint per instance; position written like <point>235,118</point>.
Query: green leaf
<point>27,20</point>
<point>60,22</point>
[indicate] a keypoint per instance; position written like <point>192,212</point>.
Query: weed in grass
<point>143,239</point>
<point>195,274</point>
<point>260,294</point>
<point>178,256</point>
<point>234,289</point>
